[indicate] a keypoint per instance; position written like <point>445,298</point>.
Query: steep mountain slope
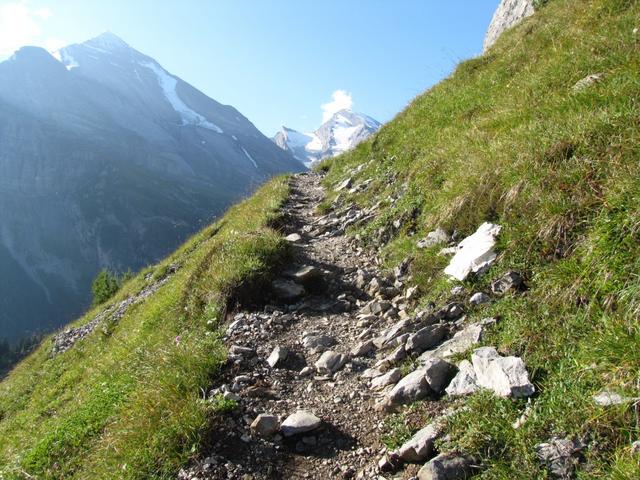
<point>107,160</point>
<point>524,137</point>
<point>342,132</point>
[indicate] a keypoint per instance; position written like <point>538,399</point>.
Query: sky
<point>279,62</point>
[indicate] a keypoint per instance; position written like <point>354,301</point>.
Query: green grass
<point>506,139</point>
<point>127,402</point>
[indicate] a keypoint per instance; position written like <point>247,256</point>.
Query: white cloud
<point>21,24</point>
<point>340,100</point>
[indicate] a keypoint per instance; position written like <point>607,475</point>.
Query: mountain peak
<point>107,41</point>
<point>343,131</point>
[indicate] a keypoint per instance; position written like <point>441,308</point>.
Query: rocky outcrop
<point>508,14</point>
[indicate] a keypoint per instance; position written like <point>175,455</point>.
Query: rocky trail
<point>341,346</point>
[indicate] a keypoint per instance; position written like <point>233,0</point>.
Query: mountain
<point>108,160</point>
<point>343,131</point>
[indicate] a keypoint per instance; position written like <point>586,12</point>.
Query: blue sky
<point>276,61</point>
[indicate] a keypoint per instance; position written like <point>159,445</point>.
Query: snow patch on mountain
<point>64,58</point>
<point>250,157</point>
<point>168,84</point>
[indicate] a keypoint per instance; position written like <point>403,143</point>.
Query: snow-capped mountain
<point>108,160</point>
<point>343,131</point>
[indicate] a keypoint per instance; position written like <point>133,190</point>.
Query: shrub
<point>105,286</point>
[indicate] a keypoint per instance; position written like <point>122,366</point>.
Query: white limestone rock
<point>505,376</point>
<point>475,253</point>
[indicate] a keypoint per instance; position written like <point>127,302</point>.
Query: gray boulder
<point>411,388</point>
<point>293,238</point>
<point>363,348</point>
<point>300,422</point>
<point>560,456</point>
<point>438,373</point>
<point>399,328</point>
<point>330,362</point>
<point>307,275</point>
<point>435,237</point>
<point>510,281</point>
<point>479,298</point>
<point>425,338</point>
<point>460,343</point>
<point>420,447</point>
<point>448,466</point>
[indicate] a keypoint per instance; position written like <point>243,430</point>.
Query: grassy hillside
<point>507,139</point>
<point>127,401</point>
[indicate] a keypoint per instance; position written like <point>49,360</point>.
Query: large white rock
<point>508,14</point>
<point>474,253</point>
<point>505,376</point>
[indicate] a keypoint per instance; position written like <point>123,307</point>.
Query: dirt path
<point>348,439</point>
